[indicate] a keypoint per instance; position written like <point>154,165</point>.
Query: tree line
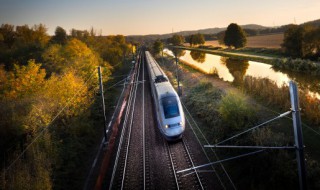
<point>42,76</point>
<point>300,41</point>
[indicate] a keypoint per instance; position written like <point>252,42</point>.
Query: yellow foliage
<point>23,80</point>
<point>67,89</point>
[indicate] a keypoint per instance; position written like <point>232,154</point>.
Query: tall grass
<point>268,91</point>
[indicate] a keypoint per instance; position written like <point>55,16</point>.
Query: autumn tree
<point>235,36</point>
<point>75,56</point>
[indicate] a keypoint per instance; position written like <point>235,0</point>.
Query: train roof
<point>161,82</point>
<point>156,72</point>
<point>165,89</point>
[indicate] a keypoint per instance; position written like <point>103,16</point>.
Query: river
<point>231,69</point>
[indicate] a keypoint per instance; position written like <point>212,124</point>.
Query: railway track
<point>144,159</point>
<point>123,162</point>
<point>181,158</point>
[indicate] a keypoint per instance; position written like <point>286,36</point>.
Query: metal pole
<point>103,105</point>
<point>177,70</point>
<point>298,135</point>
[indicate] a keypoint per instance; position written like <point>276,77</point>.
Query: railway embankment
<point>222,110</point>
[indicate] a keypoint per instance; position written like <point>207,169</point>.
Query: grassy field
<point>265,41</point>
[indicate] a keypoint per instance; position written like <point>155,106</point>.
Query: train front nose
<point>174,131</point>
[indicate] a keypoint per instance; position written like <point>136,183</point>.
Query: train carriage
<point>168,108</point>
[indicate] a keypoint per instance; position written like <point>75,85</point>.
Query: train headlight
<point>166,126</point>
<point>180,123</point>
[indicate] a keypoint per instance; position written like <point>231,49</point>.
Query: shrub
<point>235,112</point>
<point>298,65</point>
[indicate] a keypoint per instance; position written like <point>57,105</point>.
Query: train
<point>168,108</point>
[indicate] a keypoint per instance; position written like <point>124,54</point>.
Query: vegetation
<point>234,36</point>
<point>298,65</point>
<point>176,40</point>
<point>302,41</point>
<point>157,47</point>
<point>269,92</point>
<point>195,39</point>
<point>60,36</point>
<point>198,56</point>
<point>33,94</point>
<point>219,118</point>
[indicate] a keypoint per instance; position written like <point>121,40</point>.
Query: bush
<point>235,112</point>
<point>298,65</point>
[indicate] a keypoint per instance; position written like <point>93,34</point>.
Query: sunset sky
<point>130,17</point>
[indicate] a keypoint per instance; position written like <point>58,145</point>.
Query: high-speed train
<point>169,112</point>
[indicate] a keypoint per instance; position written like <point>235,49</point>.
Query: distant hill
<point>314,22</point>
<point>253,28</point>
<point>211,31</point>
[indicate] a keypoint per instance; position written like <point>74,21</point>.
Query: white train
<point>169,112</point>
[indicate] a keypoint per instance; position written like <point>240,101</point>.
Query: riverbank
<point>204,102</point>
<point>245,54</point>
<point>271,57</point>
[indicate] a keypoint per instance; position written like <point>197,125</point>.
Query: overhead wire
<point>255,127</point>
<point>303,124</point>
<point>223,168</point>
<point>219,161</point>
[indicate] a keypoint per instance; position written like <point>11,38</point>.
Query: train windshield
<point>170,107</point>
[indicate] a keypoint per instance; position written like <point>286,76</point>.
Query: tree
<point>198,39</point>
<point>60,36</point>
<point>189,39</point>
<point>311,42</point>
<point>292,42</point>
<point>235,36</point>
<point>195,39</point>
<point>157,46</point>
<point>302,41</point>
<point>8,34</point>
<point>176,40</point>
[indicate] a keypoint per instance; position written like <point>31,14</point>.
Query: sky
<point>141,17</point>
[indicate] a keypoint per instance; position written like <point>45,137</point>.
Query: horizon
<point>143,17</point>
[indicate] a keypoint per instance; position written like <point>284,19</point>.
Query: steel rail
<point>189,155</point>
<point>143,129</point>
<point>130,125</point>
<point>122,135</point>
<point>205,153</point>
<point>172,164</point>
<point>222,166</point>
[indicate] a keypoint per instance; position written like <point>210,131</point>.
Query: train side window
<point>170,107</point>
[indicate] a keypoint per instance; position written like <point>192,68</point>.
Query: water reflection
<point>237,68</point>
<point>177,52</point>
<point>198,56</point>
<point>233,70</point>
<point>309,82</point>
